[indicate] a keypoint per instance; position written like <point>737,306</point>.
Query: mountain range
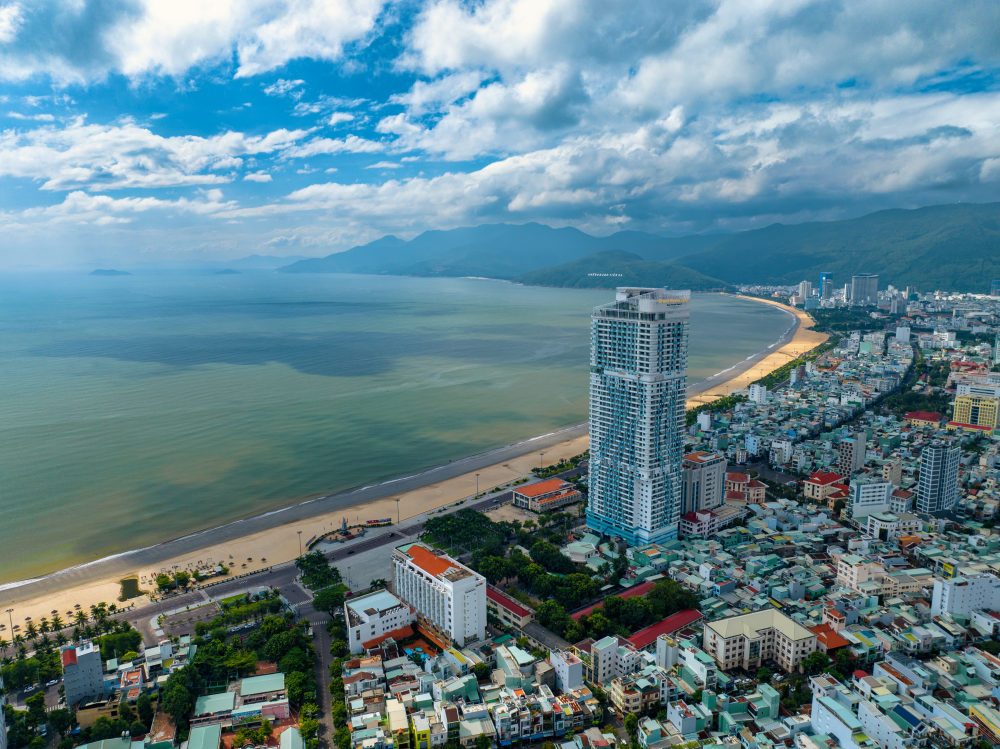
<point>946,247</point>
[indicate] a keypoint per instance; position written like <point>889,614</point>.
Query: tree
<point>328,600</point>
<point>163,581</point>
<point>182,578</point>
<point>61,720</point>
<point>145,709</point>
<point>379,583</point>
<point>36,709</point>
<point>696,697</point>
<point>177,703</point>
<point>483,741</point>
<point>482,671</point>
<point>816,662</point>
<point>137,729</point>
<point>764,675</point>
<point>631,727</point>
<point>342,738</point>
<point>266,730</point>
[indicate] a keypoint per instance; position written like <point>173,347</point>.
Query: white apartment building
<point>568,668</point>
<point>853,571</point>
<point>868,495</point>
<point>963,595</point>
<point>781,452</point>
<point>638,386</point>
<point>83,673</point>
<point>372,617</point>
<point>703,478</point>
<point>747,641</point>
<point>758,393</point>
<point>889,527</point>
<point>447,595</point>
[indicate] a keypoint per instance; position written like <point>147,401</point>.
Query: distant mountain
<point>109,272</point>
<point>261,261</point>
<point>606,270</point>
<point>227,272</point>
<point>946,247</point>
<point>491,250</point>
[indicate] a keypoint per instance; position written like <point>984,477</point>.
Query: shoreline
<point>420,492</point>
<point>794,342</point>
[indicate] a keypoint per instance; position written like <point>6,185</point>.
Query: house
<point>546,496</point>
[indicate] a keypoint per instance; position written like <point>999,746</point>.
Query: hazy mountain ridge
<point>607,270</point>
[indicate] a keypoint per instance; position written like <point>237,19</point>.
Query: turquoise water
<point>135,409</point>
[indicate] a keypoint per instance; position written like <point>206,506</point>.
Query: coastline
<point>798,339</point>
<point>274,535</point>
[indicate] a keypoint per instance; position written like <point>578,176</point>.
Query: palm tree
<point>378,584</point>
<point>44,626</point>
<point>31,630</point>
<point>18,639</point>
<point>3,644</point>
<point>77,634</point>
<point>21,653</point>
<point>61,639</point>
<point>80,617</point>
<point>57,623</point>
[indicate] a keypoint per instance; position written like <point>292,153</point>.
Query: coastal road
<point>151,557</point>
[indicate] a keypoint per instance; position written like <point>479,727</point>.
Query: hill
<point>493,250</point>
<point>947,247</point>
<point>109,272</point>
<point>606,270</point>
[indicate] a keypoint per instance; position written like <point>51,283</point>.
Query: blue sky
<point>141,131</point>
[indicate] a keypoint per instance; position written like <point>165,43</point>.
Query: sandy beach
<point>273,542</point>
<point>803,339</point>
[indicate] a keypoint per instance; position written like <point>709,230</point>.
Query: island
<point>109,272</point>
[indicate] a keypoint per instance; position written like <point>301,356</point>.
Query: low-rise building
<point>372,618</point>
<point>546,496</point>
<point>748,640</point>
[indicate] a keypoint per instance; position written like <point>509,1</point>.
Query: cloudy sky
<point>152,129</point>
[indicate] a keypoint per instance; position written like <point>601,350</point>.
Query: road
<point>151,557</point>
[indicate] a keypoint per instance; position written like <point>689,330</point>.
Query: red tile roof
<point>923,415</point>
<point>823,478</point>
<point>827,635</point>
<point>508,603</point>
<point>698,457</point>
<point>737,478</point>
<point>638,590</point>
<point>68,657</point>
<point>755,484</point>
<point>736,495</point>
<point>672,623</point>
<point>428,561</point>
<point>969,426</point>
<point>543,487</point>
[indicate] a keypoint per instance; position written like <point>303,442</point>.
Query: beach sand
<point>803,339</point>
<point>281,543</point>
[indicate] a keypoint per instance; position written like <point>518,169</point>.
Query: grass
<point>233,599</point>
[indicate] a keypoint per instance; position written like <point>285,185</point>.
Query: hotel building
<point>638,384</point>
<point>374,617</point>
<point>449,597</point>
<point>747,641</point>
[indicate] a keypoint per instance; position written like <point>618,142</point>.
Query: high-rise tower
<point>937,487</point>
<point>638,384</point>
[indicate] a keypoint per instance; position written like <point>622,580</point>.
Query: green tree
<point>482,671</point>
<point>816,662</point>
<point>631,727</point>
<point>137,729</point>
<point>342,738</point>
<point>266,729</point>
<point>483,741</point>
<point>177,703</point>
<point>764,675</point>
<point>329,600</point>
<point>696,697</point>
<point>182,578</point>
<point>163,582</point>
<point>36,709</point>
<point>61,720</point>
<point>144,707</point>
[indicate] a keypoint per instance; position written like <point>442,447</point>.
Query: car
<point>30,688</point>
<point>350,551</point>
<point>391,535</point>
<point>43,730</point>
<point>52,683</point>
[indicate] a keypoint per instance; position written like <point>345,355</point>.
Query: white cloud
<point>40,117</point>
<point>260,176</point>
<point>114,157</point>
<point>384,165</point>
<point>281,87</point>
<point>82,207</point>
<point>150,37</point>
<point>338,117</point>
<point>350,144</point>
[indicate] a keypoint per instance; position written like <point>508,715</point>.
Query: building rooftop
<point>749,625</point>
<point>205,737</point>
<point>254,685</point>
<point>544,487</point>
<point>373,603</point>
<point>215,703</point>
<point>672,623</point>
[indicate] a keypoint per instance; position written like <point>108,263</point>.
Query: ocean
<point>135,409</point>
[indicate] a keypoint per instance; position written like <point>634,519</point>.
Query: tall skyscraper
<point>864,288</point>
<point>825,285</point>
<point>852,453</point>
<point>995,288</point>
<point>703,480</point>
<point>937,487</point>
<point>638,383</point>
<point>805,289</point>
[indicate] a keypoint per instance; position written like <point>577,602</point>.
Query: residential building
<point>922,418</point>
<point>746,641</point>
<point>889,526</point>
<point>83,673</point>
<point>864,288</point>
<point>758,393</point>
<point>755,491</point>
<point>374,617</point>
<point>868,494</point>
<point>852,453</point>
<point>937,487</point>
<point>825,285</point>
<point>893,472</point>
<point>963,595</point>
<point>805,289</point>
<point>506,609</point>
<point>447,595</point>
<point>702,481</point>
<point>900,501</point>
<point>546,496</point>
<point>638,385</point>
<point>569,670</point>
<point>854,571</point>
<point>820,485</point>
<point>976,410</point>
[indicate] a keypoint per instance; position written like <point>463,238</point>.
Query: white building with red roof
<point>702,481</point>
<point>83,673</point>
<point>820,485</point>
<point>546,496</point>
<point>449,598</point>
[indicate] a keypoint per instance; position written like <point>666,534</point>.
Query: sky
<point>142,131</point>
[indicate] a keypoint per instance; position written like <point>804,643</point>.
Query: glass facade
<point>638,385</point>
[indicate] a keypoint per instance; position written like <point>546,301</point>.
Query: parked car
<point>30,688</point>
<point>52,683</point>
